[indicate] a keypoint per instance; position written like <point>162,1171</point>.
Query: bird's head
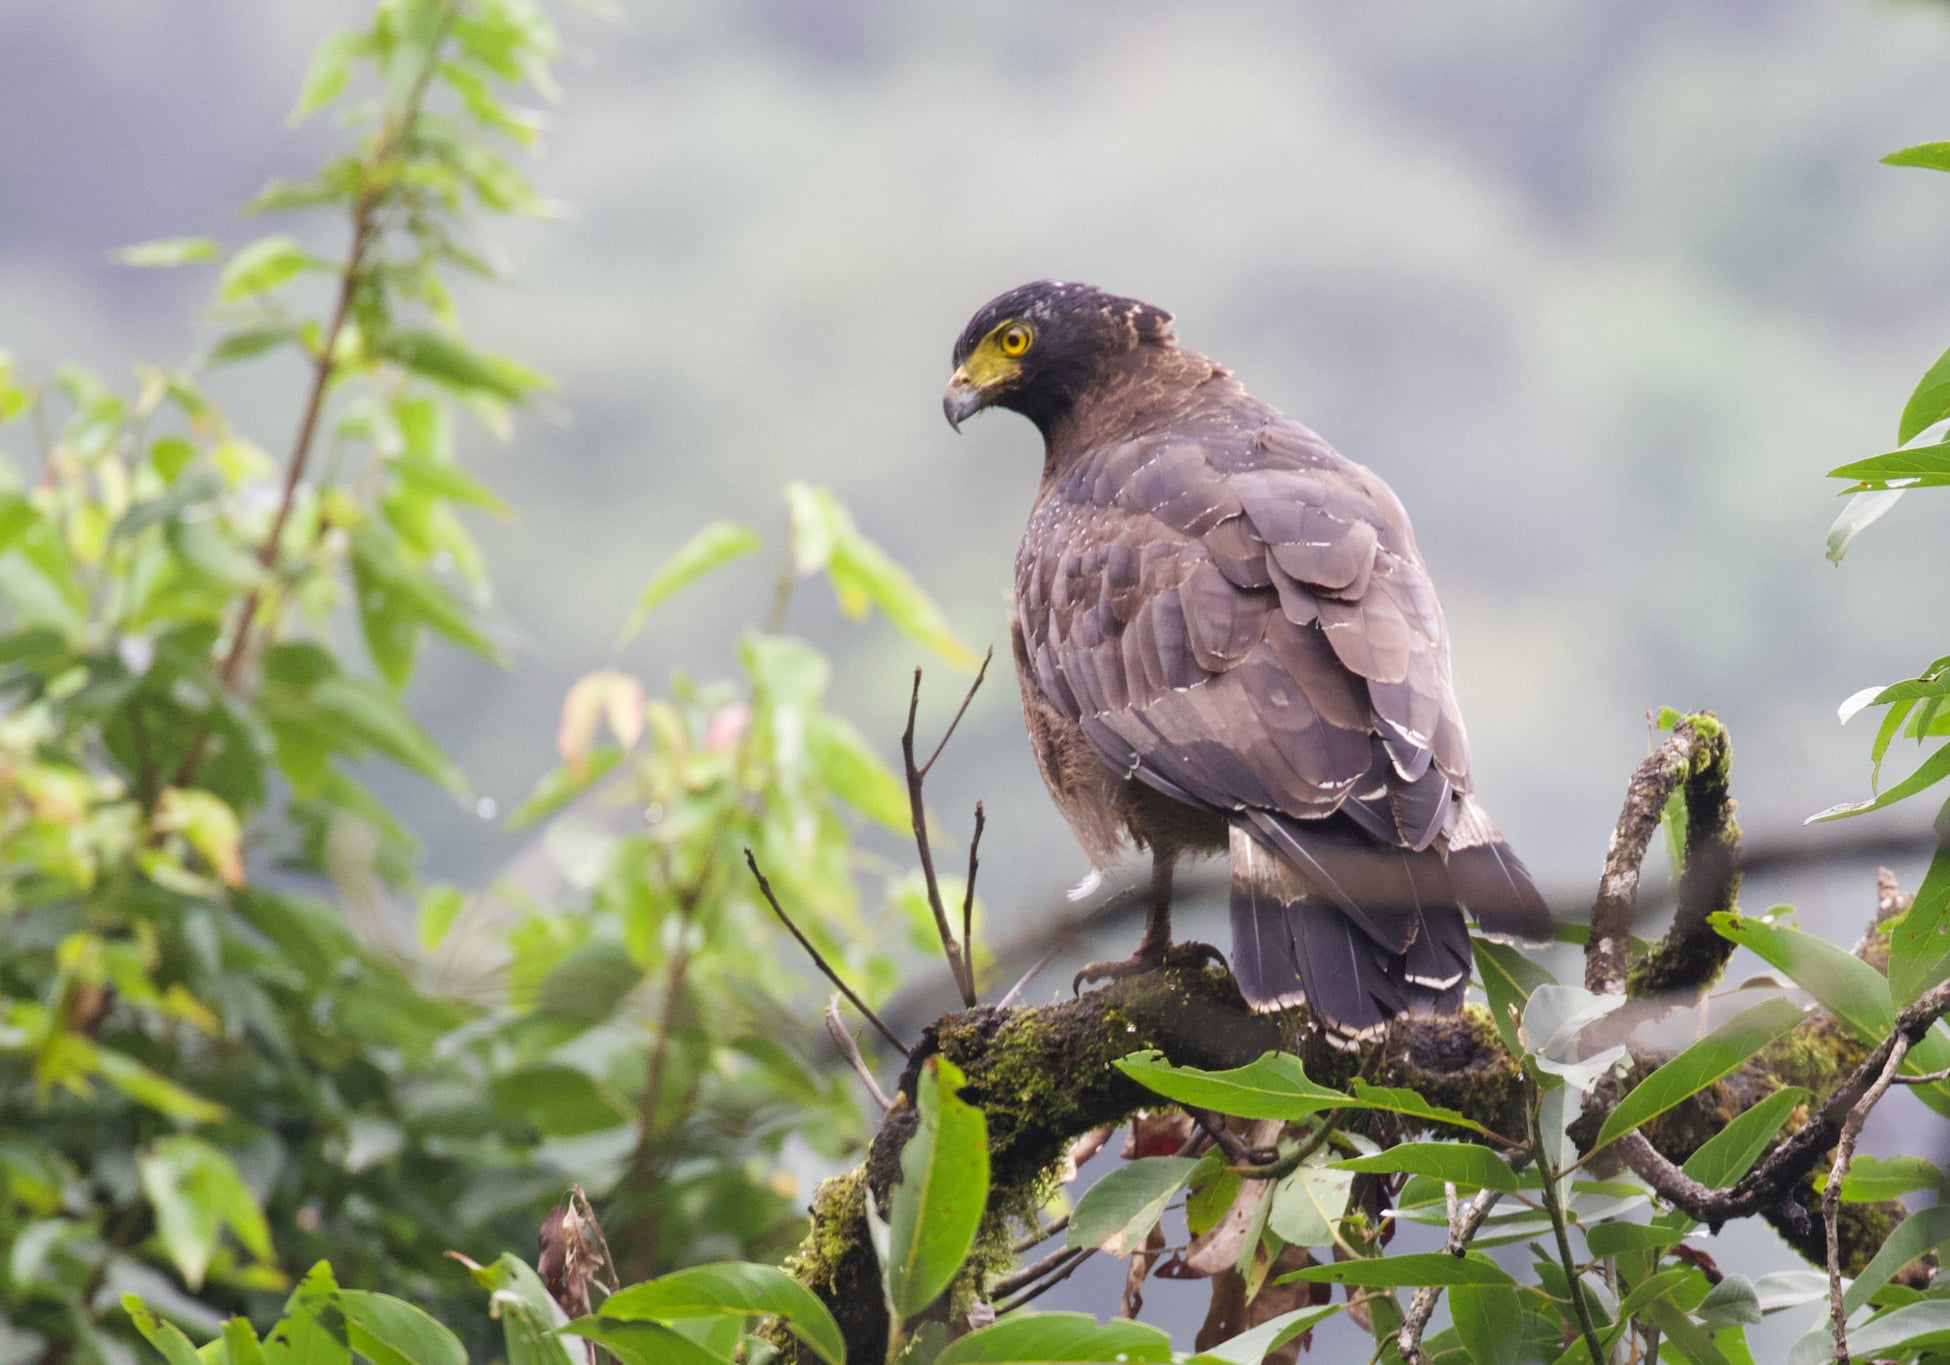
<point>1036,349</point>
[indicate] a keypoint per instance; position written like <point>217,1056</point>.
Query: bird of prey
<point>1227,640</point>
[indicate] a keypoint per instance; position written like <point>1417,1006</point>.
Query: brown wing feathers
<point>1242,624</point>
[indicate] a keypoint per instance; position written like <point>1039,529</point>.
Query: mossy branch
<point>1044,1076</point>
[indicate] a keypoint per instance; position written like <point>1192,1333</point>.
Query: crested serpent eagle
<point>1227,640</point>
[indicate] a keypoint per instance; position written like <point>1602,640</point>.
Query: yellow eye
<point>1014,340</point>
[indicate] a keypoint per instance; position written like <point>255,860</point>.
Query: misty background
<point>1602,291</point>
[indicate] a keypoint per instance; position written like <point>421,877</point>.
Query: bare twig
<point>1927,1078</point>
<point>1042,1235</point>
<point>958,964</point>
<point>1831,1197</point>
<point>968,894</point>
<point>1031,1273</point>
<point>819,961</point>
<point>960,711</point>
<point>836,1028</point>
<point>1066,1266</point>
<point>1462,1230</point>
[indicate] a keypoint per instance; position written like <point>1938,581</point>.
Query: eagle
<point>1227,640</point>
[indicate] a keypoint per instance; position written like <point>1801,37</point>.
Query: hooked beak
<point>962,399</point>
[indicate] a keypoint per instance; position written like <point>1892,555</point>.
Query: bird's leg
<point>1157,925</point>
<point>1155,947</point>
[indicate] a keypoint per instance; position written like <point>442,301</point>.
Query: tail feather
<point>1290,944</point>
<point>1490,881</point>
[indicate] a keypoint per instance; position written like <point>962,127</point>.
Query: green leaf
<point>164,1336</point>
<point>1871,1179</point>
<point>441,358</point>
<point>642,1343</point>
<point>529,1315</point>
<point>712,547</point>
<point>1917,1235</point>
<point>312,1331</point>
<point>367,711</point>
<point>1400,1100</point>
<point>1461,1163</point>
<point>240,1344</point>
<point>1931,156</point>
<point>736,1289</point>
<point>331,66</point>
<point>1034,1338</point>
<point>1718,1054</point>
<point>1306,1207</point>
<point>1508,976</point>
<point>860,567</point>
<point>1917,467</point>
<point>563,785</point>
<point>1275,1086</point>
<point>1731,1152</point>
<point>1407,1272</point>
<point>390,1331</point>
<point>166,251</point>
<point>1846,986</point>
<point>246,343</point>
<point>177,499</point>
<point>196,1192</point>
<point>264,265</point>
<point>1905,1329</point>
<point>850,768</point>
<point>944,1187</point>
<point>1485,1318</point>
<point>1118,1212</point>
<point>155,1091</point>
<point>815,521</point>
<point>1929,404</point>
<point>1860,512</point>
<point>1919,942</point>
<point>1254,1345</point>
<point>559,1100</point>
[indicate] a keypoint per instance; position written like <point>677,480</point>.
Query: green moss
<point>836,1262</point>
<point>1692,956</point>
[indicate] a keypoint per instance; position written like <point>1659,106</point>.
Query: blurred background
<point>1602,291</point>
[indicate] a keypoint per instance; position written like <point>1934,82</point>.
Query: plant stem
<point>1555,1208</point>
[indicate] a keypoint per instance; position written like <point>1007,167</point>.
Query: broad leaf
<point>1928,773</point>
<point>737,1289</point>
<point>1930,156</point>
<point>1118,1212</point>
<point>1274,1087</point>
<point>1871,1179</point>
<point>1858,514</point>
<point>262,267</point>
<point>643,1343</point>
<point>1929,404</point>
<point>390,1331</point>
<point>944,1187</point>
<point>1718,1054</point>
<point>1904,1329</point>
<point>712,547</point>
<point>1917,1235</point>
<point>164,1336</point>
<point>1307,1206</point>
<point>1253,1346</point>
<point>166,251</point>
<point>1461,1163</point>
<point>1040,1337</point>
<point>1485,1316</point>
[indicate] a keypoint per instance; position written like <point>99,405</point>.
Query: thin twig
<point>917,810</point>
<point>968,894</point>
<point>1928,1078</point>
<point>960,711</point>
<point>1068,1263</point>
<point>819,961</point>
<point>1015,991</point>
<point>1831,1197</point>
<point>1462,1230</point>
<point>1031,1273</point>
<point>836,1028</point>
<point>1042,1235</point>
